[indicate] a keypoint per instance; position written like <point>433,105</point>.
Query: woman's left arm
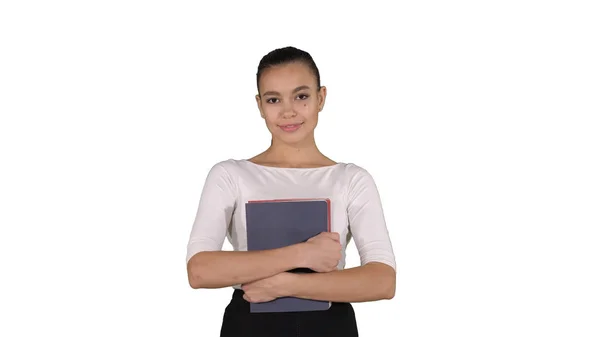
<point>371,282</point>
<point>375,279</point>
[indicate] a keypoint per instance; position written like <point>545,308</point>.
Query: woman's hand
<point>267,289</point>
<point>322,252</point>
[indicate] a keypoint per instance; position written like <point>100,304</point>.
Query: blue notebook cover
<point>274,224</point>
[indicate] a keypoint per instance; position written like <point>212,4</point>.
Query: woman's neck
<point>305,154</point>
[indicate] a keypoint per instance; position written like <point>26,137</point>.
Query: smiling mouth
<point>291,127</point>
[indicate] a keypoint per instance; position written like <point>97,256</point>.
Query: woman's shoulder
<point>229,166</point>
<point>354,170</point>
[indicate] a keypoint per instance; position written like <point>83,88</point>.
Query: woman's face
<point>290,101</point>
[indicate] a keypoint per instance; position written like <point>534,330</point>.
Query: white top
<point>356,210</point>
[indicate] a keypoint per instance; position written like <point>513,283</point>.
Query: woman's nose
<point>288,110</point>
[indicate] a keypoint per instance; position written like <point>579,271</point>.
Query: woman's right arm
<point>207,265</point>
<point>217,269</point>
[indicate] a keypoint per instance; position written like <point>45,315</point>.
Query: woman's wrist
<point>295,254</point>
<point>287,284</point>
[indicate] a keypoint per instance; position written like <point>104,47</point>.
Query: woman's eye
<point>302,96</point>
<point>271,100</point>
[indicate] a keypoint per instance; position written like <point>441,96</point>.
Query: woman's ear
<point>322,95</point>
<point>259,105</point>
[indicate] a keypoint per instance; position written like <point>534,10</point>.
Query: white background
<point>478,120</point>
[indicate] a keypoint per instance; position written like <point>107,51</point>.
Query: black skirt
<point>338,321</point>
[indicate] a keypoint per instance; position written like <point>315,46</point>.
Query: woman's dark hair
<point>287,55</point>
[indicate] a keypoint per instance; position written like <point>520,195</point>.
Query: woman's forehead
<point>287,78</point>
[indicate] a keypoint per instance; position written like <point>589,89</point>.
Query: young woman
<point>290,97</point>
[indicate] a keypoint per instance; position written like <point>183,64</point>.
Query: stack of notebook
<point>279,223</point>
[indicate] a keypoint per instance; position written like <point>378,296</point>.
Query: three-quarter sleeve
<point>367,222</point>
<point>214,212</point>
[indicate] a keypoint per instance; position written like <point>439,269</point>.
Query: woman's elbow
<point>196,278</point>
<point>387,285</point>
<point>390,290</point>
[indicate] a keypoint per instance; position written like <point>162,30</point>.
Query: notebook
<point>278,223</point>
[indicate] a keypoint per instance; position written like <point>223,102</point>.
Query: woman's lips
<point>290,127</point>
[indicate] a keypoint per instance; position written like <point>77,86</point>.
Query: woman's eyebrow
<point>302,87</point>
